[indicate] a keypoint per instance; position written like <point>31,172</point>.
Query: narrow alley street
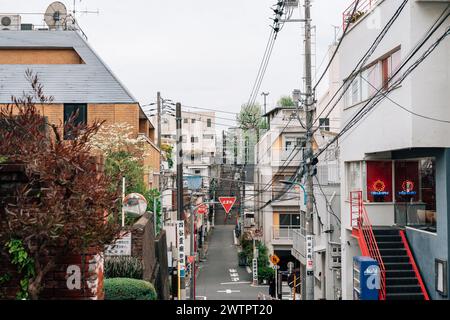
<point>220,277</point>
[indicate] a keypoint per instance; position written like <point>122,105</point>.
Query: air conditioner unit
<point>291,3</point>
<point>11,22</point>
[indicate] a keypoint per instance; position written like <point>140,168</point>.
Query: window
<point>324,124</point>
<point>289,219</point>
<point>415,193</point>
<point>211,154</point>
<point>379,181</point>
<point>192,120</point>
<point>208,123</point>
<point>192,157</point>
<point>185,120</point>
<point>353,176</point>
<point>371,79</point>
<point>194,139</point>
<point>79,111</point>
<point>196,171</point>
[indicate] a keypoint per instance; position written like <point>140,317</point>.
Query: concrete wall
<point>427,246</point>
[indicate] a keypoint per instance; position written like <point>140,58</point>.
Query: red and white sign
<point>203,209</point>
<point>227,203</point>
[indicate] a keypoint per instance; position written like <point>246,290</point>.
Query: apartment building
<point>279,207</point>
<point>395,161</point>
<point>77,79</point>
<point>199,141</point>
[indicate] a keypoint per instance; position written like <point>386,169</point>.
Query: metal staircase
<point>400,276</point>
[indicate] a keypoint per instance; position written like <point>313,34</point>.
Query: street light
<point>288,182</point>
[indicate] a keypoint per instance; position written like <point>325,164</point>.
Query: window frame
<point>66,116</point>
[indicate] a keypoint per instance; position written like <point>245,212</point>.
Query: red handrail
<point>366,237</point>
<point>413,263</point>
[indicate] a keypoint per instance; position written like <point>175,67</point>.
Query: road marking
<point>200,297</point>
<point>228,291</point>
<point>239,282</point>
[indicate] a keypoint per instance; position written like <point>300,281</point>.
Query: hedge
<point>128,289</point>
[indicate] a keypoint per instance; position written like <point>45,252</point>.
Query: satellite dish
<point>55,16</point>
<point>135,204</point>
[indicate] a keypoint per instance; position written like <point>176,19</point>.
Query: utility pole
<point>193,253</point>
<point>310,109</point>
<point>158,99</point>
<point>265,94</point>
<point>180,192</point>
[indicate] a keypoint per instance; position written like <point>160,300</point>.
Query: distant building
<point>77,79</point>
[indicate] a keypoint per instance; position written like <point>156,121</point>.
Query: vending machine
<point>366,279</point>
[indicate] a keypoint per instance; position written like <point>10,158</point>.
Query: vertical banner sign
<point>255,271</point>
<point>181,243</point>
<point>309,255</point>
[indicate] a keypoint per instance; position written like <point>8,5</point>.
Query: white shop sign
<point>181,247</point>
<point>122,247</point>
<point>309,254</point>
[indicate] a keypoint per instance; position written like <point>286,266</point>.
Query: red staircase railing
<point>414,265</point>
<point>362,229</point>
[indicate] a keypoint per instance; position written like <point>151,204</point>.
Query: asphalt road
<point>220,277</point>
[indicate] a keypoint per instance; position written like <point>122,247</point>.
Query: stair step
<point>400,274</point>
<point>390,245</point>
<point>405,296</point>
<point>388,238</point>
<point>395,259</point>
<point>392,252</point>
<point>403,289</point>
<point>392,281</point>
<point>398,266</point>
<point>386,232</point>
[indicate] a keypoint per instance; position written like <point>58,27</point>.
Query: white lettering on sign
<point>181,247</point>
<point>73,277</point>
<point>309,253</point>
<point>373,279</point>
<point>255,270</point>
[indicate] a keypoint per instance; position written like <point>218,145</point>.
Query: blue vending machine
<point>366,278</point>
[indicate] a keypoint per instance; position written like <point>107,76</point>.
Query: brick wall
<point>90,277</point>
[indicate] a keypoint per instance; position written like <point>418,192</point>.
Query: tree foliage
<point>67,200</point>
<point>286,102</point>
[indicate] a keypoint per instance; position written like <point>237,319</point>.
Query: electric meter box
<point>366,279</point>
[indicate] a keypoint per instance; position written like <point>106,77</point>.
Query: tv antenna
<point>75,11</point>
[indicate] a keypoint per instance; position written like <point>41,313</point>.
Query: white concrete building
<point>278,155</point>
<point>199,141</point>
<point>395,156</point>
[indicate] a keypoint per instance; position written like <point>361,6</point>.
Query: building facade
<point>397,156</point>
<point>279,207</point>
<point>77,80</point>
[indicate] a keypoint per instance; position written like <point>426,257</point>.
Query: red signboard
<point>203,209</point>
<point>227,203</point>
<point>379,181</point>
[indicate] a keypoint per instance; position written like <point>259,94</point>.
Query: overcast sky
<point>203,53</point>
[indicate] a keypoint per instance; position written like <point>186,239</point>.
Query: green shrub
<point>265,273</point>
<point>123,267</point>
<point>128,289</point>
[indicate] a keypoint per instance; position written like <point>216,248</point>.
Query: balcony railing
<point>299,244</point>
<point>284,233</point>
<point>363,7</point>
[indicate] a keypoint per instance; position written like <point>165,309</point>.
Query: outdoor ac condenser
<point>10,22</point>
